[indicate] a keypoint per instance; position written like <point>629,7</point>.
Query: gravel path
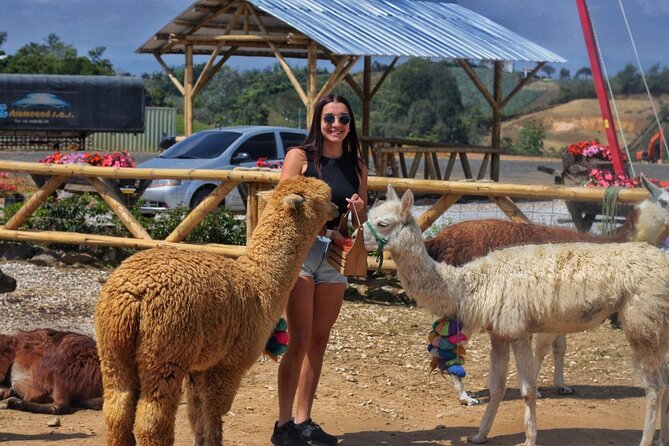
<point>45,296</point>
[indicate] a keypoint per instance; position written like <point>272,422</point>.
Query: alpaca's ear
<point>293,200</point>
<point>390,193</point>
<point>655,191</point>
<point>407,204</point>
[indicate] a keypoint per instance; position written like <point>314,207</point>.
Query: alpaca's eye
<point>382,224</point>
<point>663,203</point>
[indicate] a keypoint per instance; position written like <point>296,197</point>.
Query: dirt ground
<point>376,390</point>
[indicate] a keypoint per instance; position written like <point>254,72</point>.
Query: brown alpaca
<point>166,315</point>
<point>465,241</point>
<point>7,284</point>
<point>49,371</point>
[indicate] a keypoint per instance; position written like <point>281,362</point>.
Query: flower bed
<point>262,162</point>
<point>114,159</point>
<point>589,163</point>
<point>130,189</point>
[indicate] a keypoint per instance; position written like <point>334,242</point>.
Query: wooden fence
<point>105,182</point>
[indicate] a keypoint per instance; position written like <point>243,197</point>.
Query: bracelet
<point>328,233</point>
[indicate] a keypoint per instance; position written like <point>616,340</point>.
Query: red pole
<point>597,76</point>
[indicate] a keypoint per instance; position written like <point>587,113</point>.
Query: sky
<point>122,26</point>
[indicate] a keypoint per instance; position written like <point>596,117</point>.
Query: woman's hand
<point>336,235</point>
<point>357,207</point>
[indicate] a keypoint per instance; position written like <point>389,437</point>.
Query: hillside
<point>581,120</point>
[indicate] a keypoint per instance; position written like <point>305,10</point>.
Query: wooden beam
<point>214,26</point>
<point>312,81</point>
<point>366,98</point>
<point>545,192</point>
<point>200,211</point>
<point>345,72</point>
<point>233,19</point>
<point>496,132</point>
<point>289,39</point>
<point>212,15</point>
<point>354,85</point>
<point>110,197</point>
<point>348,78</point>
<point>521,84</point>
<point>205,70</point>
<point>436,210</point>
<point>34,202</point>
<point>202,81</point>
<point>477,82</point>
<point>170,74</point>
<point>510,209</point>
<point>188,91</point>
<point>343,67</point>
<point>383,77</point>
<point>245,23</point>
<point>279,57</point>
<point>483,167</point>
<point>74,238</point>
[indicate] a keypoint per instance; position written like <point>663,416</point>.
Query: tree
<point>548,70</point>
<point>3,39</point>
<point>565,74</point>
<point>55,57</point>
<point>583,73</point>
<point>421,99</point>
<point>628,81</point>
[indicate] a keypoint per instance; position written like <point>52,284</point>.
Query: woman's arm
<point>357,204</point>
<point>294,163</point>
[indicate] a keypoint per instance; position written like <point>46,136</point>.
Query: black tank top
<point>340,174</point>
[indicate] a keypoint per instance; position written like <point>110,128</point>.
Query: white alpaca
<point>515,292</point>
<point>463,242</point>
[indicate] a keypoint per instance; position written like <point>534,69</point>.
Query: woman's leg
<point>326,305</point>
<point>299,314</point>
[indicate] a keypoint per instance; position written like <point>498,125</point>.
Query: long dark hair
<point>314,141</point>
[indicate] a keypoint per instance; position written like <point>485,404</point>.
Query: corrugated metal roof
<point>411,28</point>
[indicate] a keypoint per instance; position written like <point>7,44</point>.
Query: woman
<point>331,152</point>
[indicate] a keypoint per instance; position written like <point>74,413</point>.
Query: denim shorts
<point>316,264</point>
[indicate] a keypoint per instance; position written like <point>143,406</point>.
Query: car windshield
<point>202,145</point>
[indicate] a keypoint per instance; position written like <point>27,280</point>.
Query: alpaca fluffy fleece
<point>166,315</point>
<point>49,371</point>
<point>515,292</point>
<point>462,242</point>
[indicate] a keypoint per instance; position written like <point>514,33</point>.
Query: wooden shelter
<point>342,32</point>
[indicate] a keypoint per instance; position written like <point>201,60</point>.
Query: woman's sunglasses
<point>344,118</point>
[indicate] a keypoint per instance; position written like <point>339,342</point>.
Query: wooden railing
<point>99,177</point>
<point>390,154</point>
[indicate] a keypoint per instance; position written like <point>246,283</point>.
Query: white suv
<point>223,149</point>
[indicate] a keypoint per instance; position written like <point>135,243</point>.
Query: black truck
<point>57,106</point>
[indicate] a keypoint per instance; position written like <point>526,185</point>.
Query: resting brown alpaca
<point>7,284</point>
<point>169,314</point>
<point>49,371</point>
<point>463,242</point>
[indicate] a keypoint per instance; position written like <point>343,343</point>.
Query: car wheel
<point>200,195</point>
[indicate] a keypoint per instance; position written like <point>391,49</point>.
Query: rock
<point>17,251</point>
<point>44,260</point>
<point>82,258</point>
<point>54,422</point>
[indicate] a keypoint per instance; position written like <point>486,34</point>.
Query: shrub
<point>530,140</point>
<point>88,214</point>
<point>219,226</point>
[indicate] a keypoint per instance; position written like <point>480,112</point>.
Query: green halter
<point>380,243</point>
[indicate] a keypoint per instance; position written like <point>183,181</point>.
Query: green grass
<point>197,125</point>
